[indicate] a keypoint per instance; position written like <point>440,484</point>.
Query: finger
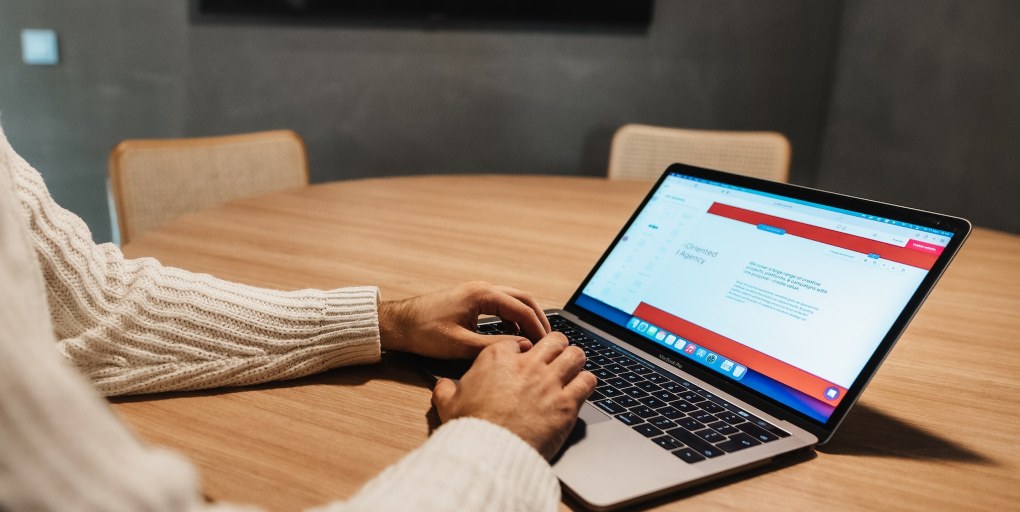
<point>442,395</point>
<point>472,342</point>
<point>509,308</point>
<point>523,344</point>
<point>530,301</point>
<point>506,344</point>
<point>581,386</point>
<point>550,347</point>
<point>568,364</point>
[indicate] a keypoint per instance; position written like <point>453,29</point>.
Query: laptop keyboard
<point>675,414</point>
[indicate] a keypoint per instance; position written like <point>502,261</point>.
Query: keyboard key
<point>616,368</point>
<point>662,422</point>
<point>710,435</point>
<point>672,387</point>
<point>617,382</point>
<point>603,374</point>
<point>731,446</point>
<point>743,440</point>
<point>629,418</point>
<point>634,392</point>
<point>595,395</point>
<point>730,418</point>
<point>632,377</point>
<point>723,428</point>
<point>691,397</point>
<point>610,406</point>
<point>712,408</point>
<point>652,402</point>
<point>643,370</point>
<point>643,411</point>
<point>672,413</point>
<point>667,442</point>
<point>664,395</point>
<point>778,432</point>
<point>647,430</point>
<point>695,443</point>
<point>649,386</point>
<point>627,401</point>
<point>657,378</point>
<point>684,406</point>
<point>690,424</point>
<point>757,432</point>
<point>609,391</point>
<point>702,416</point>
<point>688,455</point>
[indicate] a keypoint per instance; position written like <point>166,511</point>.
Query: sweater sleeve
<point>134,326</point>
<point>467,464</point>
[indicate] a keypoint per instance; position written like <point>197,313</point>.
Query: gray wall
<point>926,107</point>
<point>377,101</point>
<point>910,102</point>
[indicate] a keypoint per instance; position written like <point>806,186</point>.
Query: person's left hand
<point>442,324</point>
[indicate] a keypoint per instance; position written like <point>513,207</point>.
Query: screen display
<point>787,297</point>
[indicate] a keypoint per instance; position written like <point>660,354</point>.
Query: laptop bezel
<point>958,226</point>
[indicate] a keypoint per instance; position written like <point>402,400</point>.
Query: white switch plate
<point>39,47</point>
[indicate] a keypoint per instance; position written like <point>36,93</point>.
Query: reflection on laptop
<point>733,320</point>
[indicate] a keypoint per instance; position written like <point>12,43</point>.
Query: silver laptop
<point>734,320</point>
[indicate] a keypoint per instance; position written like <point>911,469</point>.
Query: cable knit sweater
<point>134,326</point>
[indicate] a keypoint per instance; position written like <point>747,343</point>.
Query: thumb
<point>442,395</point>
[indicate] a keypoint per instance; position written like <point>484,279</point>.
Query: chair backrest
<point>642,152</point>
<point>155,180</point>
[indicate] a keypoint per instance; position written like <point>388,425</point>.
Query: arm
<point>134,326</point>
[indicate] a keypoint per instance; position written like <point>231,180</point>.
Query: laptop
<point>734,320</point>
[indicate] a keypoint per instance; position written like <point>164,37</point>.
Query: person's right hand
<point>535,394</point>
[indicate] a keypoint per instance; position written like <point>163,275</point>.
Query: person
<point>78,320</point>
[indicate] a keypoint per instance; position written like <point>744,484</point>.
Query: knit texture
<point>135,326</point>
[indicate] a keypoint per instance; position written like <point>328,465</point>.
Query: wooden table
<point>936,429</point>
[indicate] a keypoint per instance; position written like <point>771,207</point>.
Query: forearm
<point>134,326</point>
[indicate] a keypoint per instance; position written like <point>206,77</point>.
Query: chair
<point>642,152</point>
<point>155,180</point>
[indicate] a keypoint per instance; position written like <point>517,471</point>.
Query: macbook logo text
<point>671,361</point>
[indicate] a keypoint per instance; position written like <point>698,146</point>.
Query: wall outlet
<point>39,47</point>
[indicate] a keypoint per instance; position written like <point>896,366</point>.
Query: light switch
<point>39,47</point>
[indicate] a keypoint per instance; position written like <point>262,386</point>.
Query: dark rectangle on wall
<point>619,13</point>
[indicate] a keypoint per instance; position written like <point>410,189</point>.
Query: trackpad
<point>590,415</point>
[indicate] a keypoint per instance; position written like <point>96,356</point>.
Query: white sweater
<point>134,326</point>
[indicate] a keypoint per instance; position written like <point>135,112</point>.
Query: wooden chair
<point>642,152</point>
<point>155,180</point>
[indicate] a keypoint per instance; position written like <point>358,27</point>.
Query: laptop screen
<point>786,297</point>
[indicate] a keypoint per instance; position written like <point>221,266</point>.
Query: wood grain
<point>936,429</point>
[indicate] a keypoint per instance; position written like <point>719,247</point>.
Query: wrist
<point>393,325</point>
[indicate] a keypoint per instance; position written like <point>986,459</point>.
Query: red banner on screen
<point>919,254</point>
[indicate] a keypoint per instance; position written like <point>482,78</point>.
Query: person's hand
<point>443,324</point>
<point>535,394</point>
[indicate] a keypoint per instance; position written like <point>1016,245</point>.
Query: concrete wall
<point>926,107</point>
<point>402,100</point>
<point>911,101</point>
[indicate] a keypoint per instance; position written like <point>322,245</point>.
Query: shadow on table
<point>869,432</point>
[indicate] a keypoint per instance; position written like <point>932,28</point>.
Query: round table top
<point>936,428</point>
